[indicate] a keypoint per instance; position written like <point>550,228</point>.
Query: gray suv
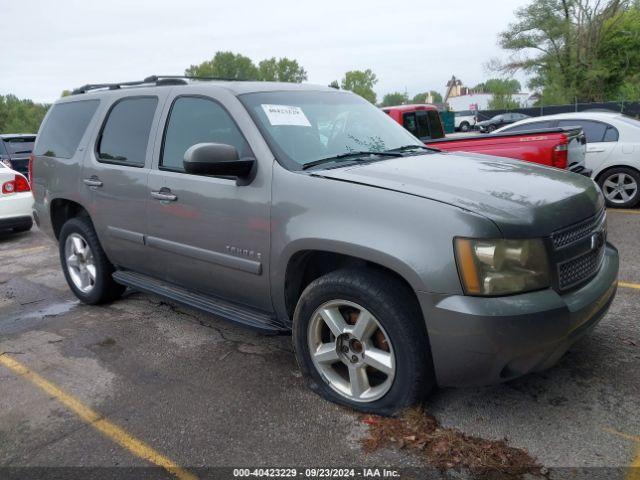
<point>301,209</point>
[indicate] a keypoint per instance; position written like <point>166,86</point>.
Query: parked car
<point>613,150</point>
<point>465,121</point>
<point>563,148</point>
<point>394,266</point>
<point>557,147</point>
<point>499,121</point>
<point>16,201</point>
<point>15,150</point>
<point>423,121</point>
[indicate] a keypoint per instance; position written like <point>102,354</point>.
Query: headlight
<point>501,267</point>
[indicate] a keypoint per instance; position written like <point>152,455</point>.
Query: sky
<point>51,45</point>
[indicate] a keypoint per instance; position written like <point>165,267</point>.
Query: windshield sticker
<point>286,115</point>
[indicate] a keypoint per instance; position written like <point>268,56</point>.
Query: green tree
<point>422,97</point>
<point>502,91</point>
<point>395,98</point>
<point>20,116</point>
<point>361,83</point>
<point>575,49</point>
<point>281,70</point>
<point>335,84</point>
<point>229,65</point>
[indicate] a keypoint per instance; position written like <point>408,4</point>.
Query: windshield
<point>304,127</point>
<point>19,145</point>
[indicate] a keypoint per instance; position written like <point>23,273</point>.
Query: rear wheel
<point>85,265</point>
<point>360,338</point>
<point>621,187</point>
<point>465,126</point>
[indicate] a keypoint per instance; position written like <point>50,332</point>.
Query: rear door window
<point>593,131</point>
<point>198,120</point>
<point>64,127</point>
<point>435,125</point>
<point>529,126</point>
<point>125,134</point>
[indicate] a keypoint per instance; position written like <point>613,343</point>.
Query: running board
<point>229,311</point>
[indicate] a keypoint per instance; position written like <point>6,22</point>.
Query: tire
<point>75,236</point>
<point>23,228</point>
<point>404,343</point>
<point>490,128</point>
<point>620,187</point>
<point>465,127</point>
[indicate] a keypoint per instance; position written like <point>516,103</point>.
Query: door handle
<point>92,182</point>
<point>164,195</point>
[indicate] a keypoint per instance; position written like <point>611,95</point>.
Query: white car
<point>16,201</point>
<point>464,121</point>
<point>613,150</point>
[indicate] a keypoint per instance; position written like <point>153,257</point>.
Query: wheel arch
<point>303,265</point>
<point>608,168</point>
<point>63,209</point>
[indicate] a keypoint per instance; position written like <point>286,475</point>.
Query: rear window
<point>19,145</point>
<point>64,127</point>
<point>125,134</point>
<point>424,124</point>
<point>529,126</point>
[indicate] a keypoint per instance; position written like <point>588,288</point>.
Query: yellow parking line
<point>96,420</point>
<point>623,210</point>
<point>635,286</point>
<point>634,471</point>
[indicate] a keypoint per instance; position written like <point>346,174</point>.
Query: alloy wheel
<point>351,351</point>
<point>620,188</point>
<point>80,262</point>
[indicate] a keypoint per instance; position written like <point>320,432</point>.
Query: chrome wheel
<point>620,188</point>
<point>351,351</point>
<point>80,263</point>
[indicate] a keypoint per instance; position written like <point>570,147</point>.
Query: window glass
<point>125,135</point>
<point>410,123</point>
<point>435,125</point>
<point>64,127</point>
<point>529,126</point>
<point>611,135</point>
<point>593,131</point>
<point>19,145</point>
<point>198,120</point>
<point>423,125</point>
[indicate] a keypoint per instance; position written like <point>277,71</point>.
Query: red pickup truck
<point>555,147</point>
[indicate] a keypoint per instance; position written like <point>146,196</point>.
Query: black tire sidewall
<point>412,355</point>
<point>105,288</point>
<point>614,171</point>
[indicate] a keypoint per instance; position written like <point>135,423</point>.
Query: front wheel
<point>360,338</point>
<point>465,127</point>
<point>621,187</point>
<point>85,265</point>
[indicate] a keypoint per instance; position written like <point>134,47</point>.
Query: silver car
<point>301,209</point>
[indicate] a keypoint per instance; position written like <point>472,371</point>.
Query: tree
<point>281,70</point>
<point>20,116</point>
<point>361,83</point>
<point>395,98</point>
<point>422,97</point>
<point>227,65</point>
<point>335,84</point>
<point>502,91</point>
<point>583,49</point>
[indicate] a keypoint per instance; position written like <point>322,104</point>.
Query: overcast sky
<point>51,45</point>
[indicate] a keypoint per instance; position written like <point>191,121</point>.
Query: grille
<point>579,269</point>
<point>579,250</point>
<point>576,232</point>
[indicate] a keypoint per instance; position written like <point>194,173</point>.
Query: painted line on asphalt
<point>634,471</point>
<point>623,210</point>
<point>635,286</point>
<point>96,420</point>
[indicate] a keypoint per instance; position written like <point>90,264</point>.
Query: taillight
<point>17,185</point>
<point>560,157</point>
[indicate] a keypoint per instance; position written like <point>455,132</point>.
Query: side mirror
<point>217,159</point>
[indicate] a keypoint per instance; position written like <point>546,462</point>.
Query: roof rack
<point>157,80</point>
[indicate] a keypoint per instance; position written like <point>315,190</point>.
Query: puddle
<point>50,310</point>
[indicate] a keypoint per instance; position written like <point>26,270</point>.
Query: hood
<point>523,199</point>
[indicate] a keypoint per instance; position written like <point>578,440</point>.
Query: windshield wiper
<point>349,155</point>
<point>404,148</point>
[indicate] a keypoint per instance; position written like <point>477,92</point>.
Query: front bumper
<point>481,341</point>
